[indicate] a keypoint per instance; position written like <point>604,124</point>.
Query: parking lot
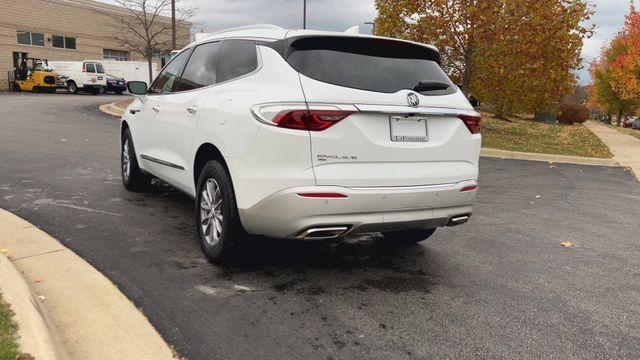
<point>499,287</point>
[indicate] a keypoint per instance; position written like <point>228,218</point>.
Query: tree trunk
<point>150,63</point>
<point>619,120</point>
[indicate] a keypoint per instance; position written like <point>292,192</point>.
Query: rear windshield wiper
<point>431,86</point>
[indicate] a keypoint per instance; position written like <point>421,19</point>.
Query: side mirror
<point>137,87</point>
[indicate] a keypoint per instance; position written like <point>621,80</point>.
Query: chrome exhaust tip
<point>458,220</point>
<point>323,233</point>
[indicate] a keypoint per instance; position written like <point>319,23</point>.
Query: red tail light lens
<point>312,120</point>
<point>469,188</point>
<point>323,195</point>
<point>473,123</point>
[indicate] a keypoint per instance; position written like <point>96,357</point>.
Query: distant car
<point>115,85</point>
<point>629,122</point>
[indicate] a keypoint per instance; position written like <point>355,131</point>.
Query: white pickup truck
<point>81,75</point>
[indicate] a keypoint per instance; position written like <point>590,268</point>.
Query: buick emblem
<point>413,100</point>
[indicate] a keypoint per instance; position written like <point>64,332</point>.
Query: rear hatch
<point>380,113</point>
<point>401,119</point>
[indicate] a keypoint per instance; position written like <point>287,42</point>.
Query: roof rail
<point>248,27</point>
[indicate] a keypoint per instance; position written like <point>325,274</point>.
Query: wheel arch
<point>205,153</point>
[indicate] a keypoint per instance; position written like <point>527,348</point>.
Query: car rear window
<point>379,65</point>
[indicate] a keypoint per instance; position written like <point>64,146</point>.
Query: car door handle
<point>156,108</point>
<point>192,110</point>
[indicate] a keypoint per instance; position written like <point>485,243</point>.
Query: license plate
<point>409,129</point>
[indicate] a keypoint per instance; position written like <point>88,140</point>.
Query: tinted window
<point>91,68</point>
<point>24,37</point>
<point>166,80</point>
<point>57,41</point>
<point>378,65</point>
<point>202,67</point>
<point>239,57</point>
<point>37,39</point>
<point>70,43</point>
<point>99,68</point>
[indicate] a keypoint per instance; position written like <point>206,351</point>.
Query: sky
<point>339,15</point>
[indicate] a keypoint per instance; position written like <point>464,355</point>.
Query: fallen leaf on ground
<point>3,251</point>
<point>39,280</point>
<point>538,196</point>
<point>42,298</point>
<point>567,244</point>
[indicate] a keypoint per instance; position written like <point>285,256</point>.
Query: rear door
<point>403,126</point>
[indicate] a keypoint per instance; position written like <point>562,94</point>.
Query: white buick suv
<point>305,135</point>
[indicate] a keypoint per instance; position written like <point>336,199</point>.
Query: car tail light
<point>469,188</point>
<point>298,116</point>
<point>312,120</point>
<point>473,123</point>
<point>84,68</point>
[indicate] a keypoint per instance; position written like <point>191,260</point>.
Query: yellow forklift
<point>32,74</point>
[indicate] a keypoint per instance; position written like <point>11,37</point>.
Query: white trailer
<point>130,70</point>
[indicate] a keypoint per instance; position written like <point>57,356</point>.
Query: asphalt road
<point>500,287</point>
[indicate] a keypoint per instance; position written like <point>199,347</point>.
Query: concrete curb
<point>91,317</point>
<point>561,159</point>
<point>112,109</point>
<point>35,335</point>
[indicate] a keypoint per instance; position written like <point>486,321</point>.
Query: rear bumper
<point>286,214</point>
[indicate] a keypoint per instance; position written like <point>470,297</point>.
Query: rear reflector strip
<point>469,188</point>
<point>323,195</point>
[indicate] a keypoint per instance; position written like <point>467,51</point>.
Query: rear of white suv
<point>312,136</point>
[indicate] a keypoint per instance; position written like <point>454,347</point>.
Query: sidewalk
<point>89,316</point>
<point>625,148</point>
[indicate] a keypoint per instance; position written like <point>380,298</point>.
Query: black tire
<point>102,90</point>
<point>94,91</point>
<point>133,178</point>
<point>221,249</point>
<point>118,92</point>
<point>16,87</point>
<point>35,89</point>
<point>72,87</point>
<point>409,237</point>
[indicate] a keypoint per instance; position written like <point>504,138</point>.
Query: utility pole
<point>173,25</point>
<point>304,14</point>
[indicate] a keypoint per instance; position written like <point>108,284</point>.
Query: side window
<point>202,67</point>
<point>239,57</point>
<point>91,68</point>
<point>166,80</point>
<point>99,68</point>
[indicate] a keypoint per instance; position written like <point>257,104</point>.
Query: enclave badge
<point>413,100</point>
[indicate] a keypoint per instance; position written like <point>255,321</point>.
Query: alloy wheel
<point>211,218</point>
<point>126,160</point>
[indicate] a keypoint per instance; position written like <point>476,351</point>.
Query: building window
<point>63,42</point>
<point>69,42</point>
<point>30,38</point>
<point>118,55</point>
<point>57,41</point>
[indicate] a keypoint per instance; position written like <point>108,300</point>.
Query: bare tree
<point>146,26</point>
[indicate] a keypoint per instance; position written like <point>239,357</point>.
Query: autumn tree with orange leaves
<point>516,55</point>
<point>616,73</point>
